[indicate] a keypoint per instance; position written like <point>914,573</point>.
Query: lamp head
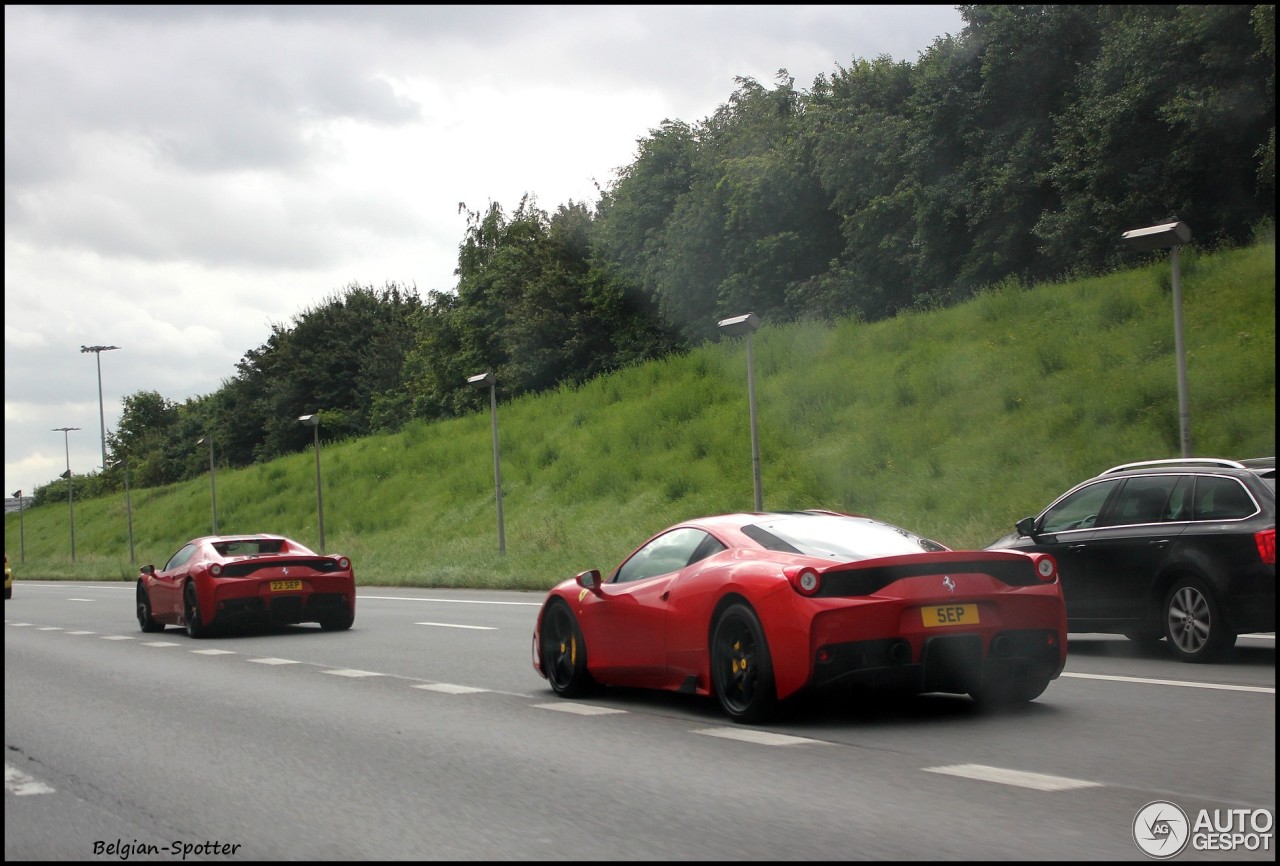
<point>481,380</point>
<point>1171,233</point>
<point>739,325</point>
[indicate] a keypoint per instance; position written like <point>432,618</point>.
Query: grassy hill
<point>953,423</point>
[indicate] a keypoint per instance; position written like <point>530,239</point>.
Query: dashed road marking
<point>579,709</point>
<point>274,661</point>
<point>448,688</point>
<point>456,625</point>
<point>213,652</point>
<point>763,738</point>
<point>19,783</point>
<point>1020,778</point>
<point>352,673</point>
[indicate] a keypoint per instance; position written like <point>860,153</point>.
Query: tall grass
<point>953,423</point>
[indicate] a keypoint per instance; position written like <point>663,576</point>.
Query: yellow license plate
<point>950,614</point>
<point>285,585</point>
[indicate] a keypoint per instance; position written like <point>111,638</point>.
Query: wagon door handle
<point>1159,542</point>
<point>1075,548</point>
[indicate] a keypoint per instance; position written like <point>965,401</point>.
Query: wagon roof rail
<point>1218,462</point>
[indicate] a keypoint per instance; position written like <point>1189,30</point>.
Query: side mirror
<point>589,579</point>
<point>149,570</point>
<point>1026,526</point>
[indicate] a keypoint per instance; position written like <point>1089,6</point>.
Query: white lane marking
<point>275,661</point>
<point>82,632</point>
<point>79,599</point>
<point>352,673</point>
<point>449,688</point>
<point>49,628</point>
<point>116,637</point>
<point>21,624</point>
<point>763,738</point>
<point>455,625</point>
<point>160,643</point>
<point>579,709</point>
<point>19,783</point>
<point>1036,781</point>
<point>1266,690</point>
<point>213,652</point>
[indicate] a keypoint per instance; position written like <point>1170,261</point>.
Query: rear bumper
<point>280,610</point>
<point>956,663</point>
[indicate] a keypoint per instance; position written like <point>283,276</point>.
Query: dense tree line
<point>1019,149</point>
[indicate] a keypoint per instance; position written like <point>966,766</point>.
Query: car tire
<point>564,652</point>
<point>191,612</point>
<point>337,621</point>
<point>1193,623</point>
<point>741,669</point>
<point>145,621</point>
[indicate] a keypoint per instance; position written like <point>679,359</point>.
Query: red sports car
<point>756,608</point>
<point>256,579</point>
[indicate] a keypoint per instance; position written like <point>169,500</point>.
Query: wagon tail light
<point>1266,540</point>
<point>804,580</point>
<point>215,570</point>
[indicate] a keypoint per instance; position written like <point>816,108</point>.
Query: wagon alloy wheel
<point>145,620</point>
<point>191,612</point>
<point>1193,625</point>
<point>741,667</point>
<point>564,653</point>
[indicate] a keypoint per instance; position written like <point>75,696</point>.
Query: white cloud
<point>180,178</point>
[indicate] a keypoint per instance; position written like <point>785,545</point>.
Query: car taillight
<point>804,580</point>
<point>344,563</point>
<point>215,570</point>
<point>1266,540</point>
<point>1046,567</point>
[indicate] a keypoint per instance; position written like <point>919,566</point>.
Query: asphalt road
<point>424,734</point>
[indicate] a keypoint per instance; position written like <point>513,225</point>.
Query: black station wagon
<point>1181,549</point>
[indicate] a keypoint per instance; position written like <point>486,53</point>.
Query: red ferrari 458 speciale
<point>757,608</point>
<point>246,579</point>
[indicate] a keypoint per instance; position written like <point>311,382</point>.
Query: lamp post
<point>313,421</point>
<point>128,504</point>
<point>486,380</point>
<point>213,490</point>
<point>71,508</point>
<point>22,532</point>
<point>747,325</point>
<point>1172,234</point>
<point>102,415</point>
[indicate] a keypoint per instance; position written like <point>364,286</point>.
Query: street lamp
<point>213,490</point>
<point>22,532</point>
<point>313,421</point>
<point>739,326</point>
<point>71,508</point>
<point>1172,234</point>
<point>486,380</point>
<point>102,416</point>
<point>128,504</point>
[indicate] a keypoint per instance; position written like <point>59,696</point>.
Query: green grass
<point>954,423</point>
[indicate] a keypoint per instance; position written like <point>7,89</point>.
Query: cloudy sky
<point>180,178</point>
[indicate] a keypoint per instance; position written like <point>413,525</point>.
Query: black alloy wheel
<point>191,612</point>
<point>564,652</point>
<point>741,669</point>
<point>145,621</point>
